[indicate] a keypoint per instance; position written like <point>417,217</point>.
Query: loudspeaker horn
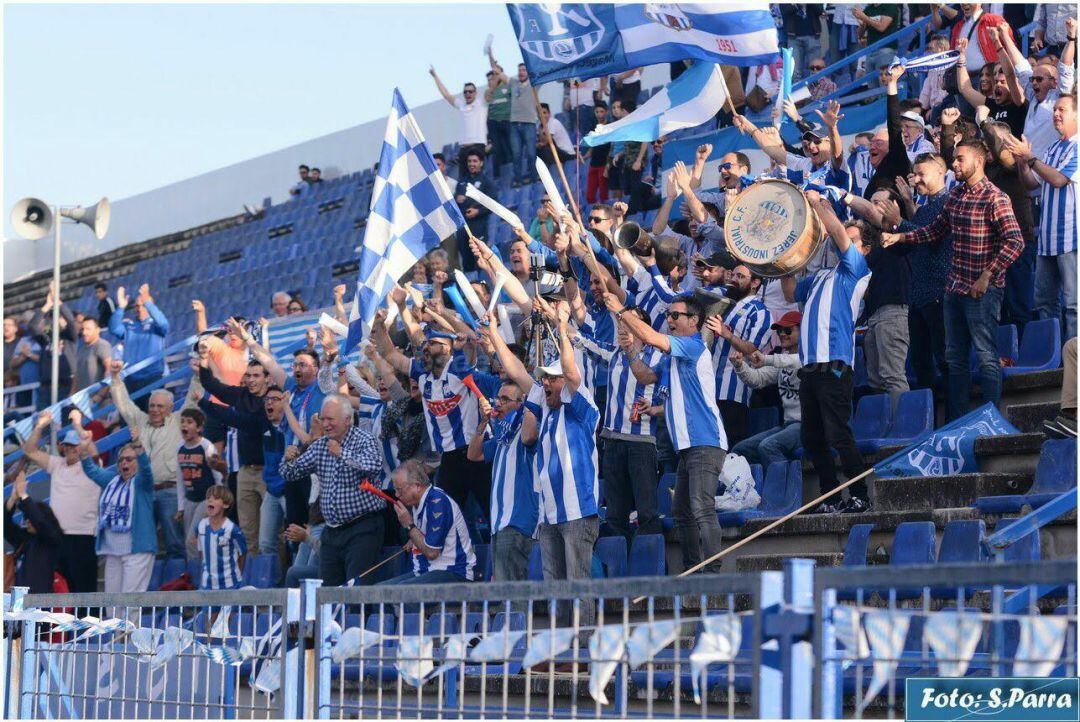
<point>32,218</point>
<point>96,217</point>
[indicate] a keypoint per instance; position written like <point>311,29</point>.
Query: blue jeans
<point>271,522</point>
<point>776,444</point>
<point>803,50</point>
<point>1055,276</point>
<point>165,508</point>
<point>972,322</point>
<point>523,151</point>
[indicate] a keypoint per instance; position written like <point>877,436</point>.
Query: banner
<point>949,450</point>
<point>560,41</point>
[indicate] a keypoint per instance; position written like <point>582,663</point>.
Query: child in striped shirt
<point>221,543</point>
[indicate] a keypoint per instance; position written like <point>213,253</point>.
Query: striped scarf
<point>114,509</point>
<point>934,61</point>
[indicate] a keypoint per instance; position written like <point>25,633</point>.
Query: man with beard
<point>514,503</point>
<point>743,329</point>
<point>822,162</point>
<point>452,412</point>
<point>476,215</point>
<point>986,241</point>
<point>734,170</point>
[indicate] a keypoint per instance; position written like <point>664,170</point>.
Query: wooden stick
<point>772,525</point>
<point>727,93</point>
<point>384,561</point>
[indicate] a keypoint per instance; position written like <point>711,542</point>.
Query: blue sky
<point>120,99</point>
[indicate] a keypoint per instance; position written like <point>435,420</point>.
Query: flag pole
<point>727,91</point>
<point>772,525</point>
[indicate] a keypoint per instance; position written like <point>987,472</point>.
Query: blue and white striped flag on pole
<point>691,99</point>
<point>412,211</point>
<point>935,61</point>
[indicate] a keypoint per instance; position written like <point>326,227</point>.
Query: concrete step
<point>910,493</point>
<point>1030,417</point>
<point>768,563</point>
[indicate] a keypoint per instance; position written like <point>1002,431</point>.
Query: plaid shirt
<point>984,230</point>
<point>339,477</point>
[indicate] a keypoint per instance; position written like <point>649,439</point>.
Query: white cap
<point>552,369</point>
<point>913,117</point>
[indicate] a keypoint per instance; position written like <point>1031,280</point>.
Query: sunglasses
<point>1040,78</point>
<point>676,315</point>
<point>785,331</point>
<point>127,458</point>
<point>727,166</point>
<point>596,219</point>
<point>817,68</point>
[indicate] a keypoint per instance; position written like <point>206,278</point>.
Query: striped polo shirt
<point>624,389</point>
<point>1057,227</point>
<point>451,412</point>
<point>566,468</point>
<point>750,321</point>
<point>221,551</point>
<point>514,501</point>
<point>690,410</point>
<point>831,299</point>
<point>443,527</point>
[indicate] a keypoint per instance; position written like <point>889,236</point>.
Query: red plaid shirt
<point>984,230</point>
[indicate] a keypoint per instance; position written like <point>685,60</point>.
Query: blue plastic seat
<point>612,553</point>
<point>664,490</point>
<point>763,419</point>
<point>1025,549</point>
<point>262,571</point>
<point>962,542</point>
<point>870,424</point>
<point>860,379</point>
<point>1040,348</point>
<point>647,556</point>
<point>1055,474</point>
<point>857,546</point>
<point>194,570</point>
<point>914,543</point>
<point>780,492</point>
<point>913,417</point>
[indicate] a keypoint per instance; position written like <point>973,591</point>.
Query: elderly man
<point>74,499</point>
<point>159,429</point>
<point>344,457</point>
<point>438,538</point>
<point>279,304</point>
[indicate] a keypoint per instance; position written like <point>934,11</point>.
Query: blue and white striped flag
<point>412,211</point>
<point>691,99</point>
<point>934,61</point>
<point>589,40</point>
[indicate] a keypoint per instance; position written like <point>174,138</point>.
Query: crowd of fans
<point>595,362</point>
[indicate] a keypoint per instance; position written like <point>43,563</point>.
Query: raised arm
<point>636,326</point>
<point>1002,40</point>
<point>387,350</point>
<point>661,220</point>
<point>770,144</point>
<point>963,80</point>
<point>511,364</point>
<point>339,304</point>
<point>260,354</point>
<point>700,157</point>
<point>442,88</point>
<point>682,179</point>
<point>831,118</point>
<point>200,315</point>
<point>30,446</point>
<point>490,262</point>
<point>132,414</point>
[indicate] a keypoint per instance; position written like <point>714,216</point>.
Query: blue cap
<point>71,437</point>
<point>433,333</point>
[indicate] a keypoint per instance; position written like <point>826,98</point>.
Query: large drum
<point>771,228</point>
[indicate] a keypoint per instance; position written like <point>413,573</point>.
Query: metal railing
<point>876,627</point>
<point>165,655</point>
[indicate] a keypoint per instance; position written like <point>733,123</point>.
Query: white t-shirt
<point>562,138</point>
<point>73,497</point>
<point>583,93</point>
<point>974,55</point>
<point>474,116</point>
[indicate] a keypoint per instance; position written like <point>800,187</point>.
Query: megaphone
<point>32,218</point>
<point>96,217</point>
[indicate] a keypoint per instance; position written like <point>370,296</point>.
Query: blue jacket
<point>143,531</point>
<point>142,339</point>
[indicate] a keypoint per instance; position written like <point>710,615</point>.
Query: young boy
<point>221,543</point>
<point>200,467</point>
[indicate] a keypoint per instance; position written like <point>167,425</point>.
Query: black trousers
<point>351,549</point>
<point>926,331</point>
<point>825,398</point>
<point>458,477</point>
<point>79,562</point>
<point>736,417</point>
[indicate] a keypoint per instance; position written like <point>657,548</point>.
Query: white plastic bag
<point>740,493</point>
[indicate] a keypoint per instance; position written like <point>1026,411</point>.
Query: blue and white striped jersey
<point>624,388</point>
<point>567,475</point>
<point>371,410</point>
<point>514,501</point>
<point>921,145</point>
<point>750,321</point>
<point>831,299</point>
<point>690,412</point>
<point>443,527</point>
<point>649,290</point>
<point>599,324</point>
<point>450,409</point>
<point>1057,227</point>
<point>860,170</point>
<point>221,551</point>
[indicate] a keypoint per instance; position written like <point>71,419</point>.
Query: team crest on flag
<point>669,15</point>
<point>554,31</point>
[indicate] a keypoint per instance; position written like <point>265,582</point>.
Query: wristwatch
<point>410,528</point>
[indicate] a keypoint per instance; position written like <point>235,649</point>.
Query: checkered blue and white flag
<point>412,211</point>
